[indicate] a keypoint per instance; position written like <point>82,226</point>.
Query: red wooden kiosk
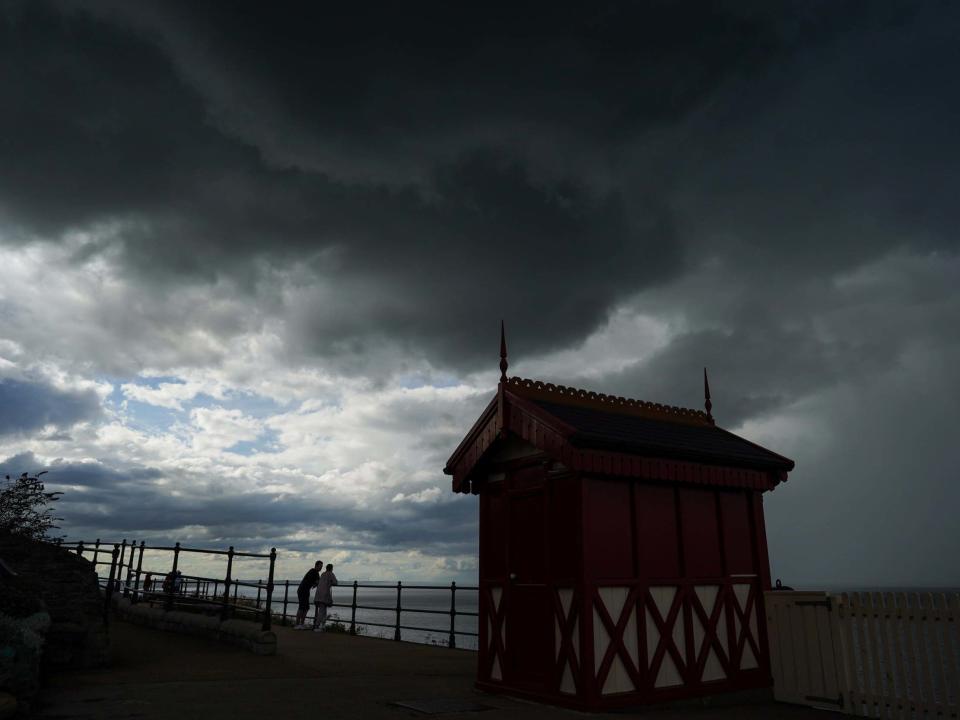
<point>623,555</point>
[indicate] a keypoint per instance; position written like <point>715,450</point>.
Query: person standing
<point>324,598</point>
<point>303,594</point>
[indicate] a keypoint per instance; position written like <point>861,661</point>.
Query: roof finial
<point>503,354</point>
<point>706,393</point>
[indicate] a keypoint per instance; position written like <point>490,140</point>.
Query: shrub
<point>25,507</point>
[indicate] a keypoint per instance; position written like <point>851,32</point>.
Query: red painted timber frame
<point>510,413</point>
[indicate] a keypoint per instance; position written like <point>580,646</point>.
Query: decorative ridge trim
<point>609,403</point>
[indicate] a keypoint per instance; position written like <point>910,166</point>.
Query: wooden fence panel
<point>897,605</point>
<point>854,703</point>
<point>862,668</point>
<point>888,632</point>
<point>938,634</point>
<point>911,659</point>
<point>952,628</point>
<point>924,612</point>
<point>881,655</point>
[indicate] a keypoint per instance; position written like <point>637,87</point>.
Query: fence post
<point>136,582</point>
<point>109,591</point>
<point>286,595</point>
<point>123,552</point>
<point>96,556</point>
<point>225,612</point>
<point>353,611</point>
<point>396,634</point>
<point>268,612</point>
<point>80,548</point>
<point>173,576</point>
<point>452,642</point>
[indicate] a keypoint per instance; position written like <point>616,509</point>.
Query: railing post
<point>96,557</point>
<point>353,611</point>
<point>396,634</point>
<point>225,612</point>
<point>286,595</point>
<point>109,591</point>
<point>452,642</point>
<point>268,612</point>
<point>126,583</point>
<point>80,548</point>
<point>123,552</point>
<point>136,583</point>
<point>216,586</point>
<point>173,576</point>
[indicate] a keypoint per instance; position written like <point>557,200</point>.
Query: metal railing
<point>176,593</point>
<point>196,592</point>
<point>398,608</point>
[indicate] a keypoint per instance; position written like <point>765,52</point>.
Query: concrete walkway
<point>329,676</point>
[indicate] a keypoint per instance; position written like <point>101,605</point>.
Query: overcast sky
<point>255,257</point>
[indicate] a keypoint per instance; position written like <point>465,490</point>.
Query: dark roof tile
<point>631,433</point>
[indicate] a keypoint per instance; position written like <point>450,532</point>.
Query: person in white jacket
<point>323,598</point>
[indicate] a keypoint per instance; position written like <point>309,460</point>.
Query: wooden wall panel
<point>701,534</point>
<point>608,541</point>
<point>493,535</point>
<point>564,519</point>
<point>657,539</point>
<point>737,532</point>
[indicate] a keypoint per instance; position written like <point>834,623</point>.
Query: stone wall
<point>243,633</point>
<point>67,586</point>
<point>51,617</point>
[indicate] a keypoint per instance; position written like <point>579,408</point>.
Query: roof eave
<point>469,438</point>
<point>588,440</point>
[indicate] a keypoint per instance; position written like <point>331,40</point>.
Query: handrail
<point>132,586</point>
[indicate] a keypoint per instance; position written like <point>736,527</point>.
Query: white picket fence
<point>883,655</point>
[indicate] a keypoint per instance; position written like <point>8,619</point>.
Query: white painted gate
<point>805,655</point>
<point>887,655</point>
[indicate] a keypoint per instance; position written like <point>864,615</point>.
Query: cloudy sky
<point>255,258</point>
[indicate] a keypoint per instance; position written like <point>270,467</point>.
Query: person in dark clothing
<point>303,594</point>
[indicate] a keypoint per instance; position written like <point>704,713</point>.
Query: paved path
<point>172,677</point>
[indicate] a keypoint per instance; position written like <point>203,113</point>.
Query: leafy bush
<point>20,642</point>
<point>25,507</point>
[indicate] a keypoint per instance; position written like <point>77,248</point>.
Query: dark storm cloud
<point>134,500</point>
<point>29,406</point>
<point>122,117</point>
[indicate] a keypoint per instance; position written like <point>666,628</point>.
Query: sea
<point>424,616</point>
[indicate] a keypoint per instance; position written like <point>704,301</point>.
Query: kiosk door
<point>529,618</point>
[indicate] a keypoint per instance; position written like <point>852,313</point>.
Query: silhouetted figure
<point>324,598</point>
<point>303,595</point>
<point>148,583</point>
